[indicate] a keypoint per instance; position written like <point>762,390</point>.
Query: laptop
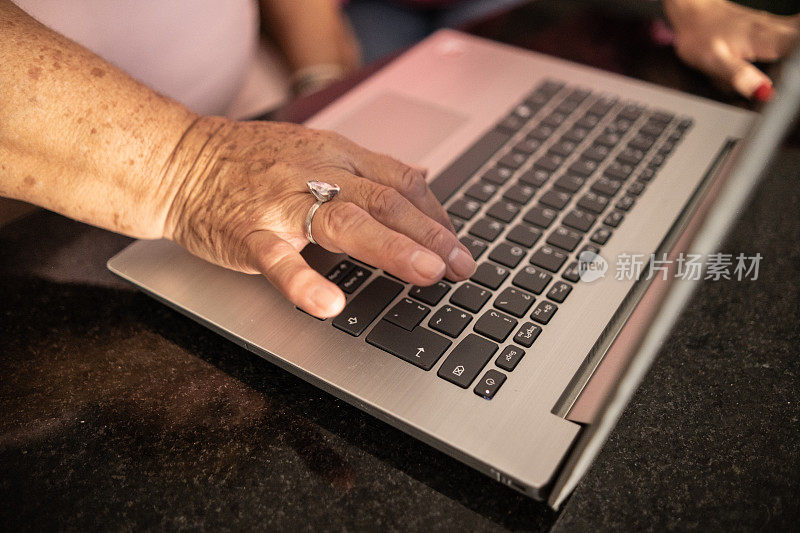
<point>551,172</point>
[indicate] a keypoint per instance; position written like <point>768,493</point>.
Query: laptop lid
<point>748,166</point>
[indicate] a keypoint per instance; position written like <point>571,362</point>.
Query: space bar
<point>465,166</point>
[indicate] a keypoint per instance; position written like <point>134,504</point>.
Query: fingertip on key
<point>326,301</point>
<point>461,262</point>
<point>427,264</point>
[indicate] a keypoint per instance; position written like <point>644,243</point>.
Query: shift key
<point>420,347</point>
<point>367,305</point>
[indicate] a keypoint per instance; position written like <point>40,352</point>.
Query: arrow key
<point>420,347</point>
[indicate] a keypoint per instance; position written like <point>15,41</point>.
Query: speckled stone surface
<point>118,413</point>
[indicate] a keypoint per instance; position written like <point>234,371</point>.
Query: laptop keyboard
<point>553,178</point>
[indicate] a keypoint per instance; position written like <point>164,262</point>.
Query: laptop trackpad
<point>403,127</point>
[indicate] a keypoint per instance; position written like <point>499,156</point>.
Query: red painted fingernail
<point>764,92</point>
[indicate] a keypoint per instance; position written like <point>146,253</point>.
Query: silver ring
<point>323,192</point>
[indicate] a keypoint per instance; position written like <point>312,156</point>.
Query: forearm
<point>80,137</point>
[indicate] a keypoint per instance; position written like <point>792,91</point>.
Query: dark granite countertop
<point>118,413</point>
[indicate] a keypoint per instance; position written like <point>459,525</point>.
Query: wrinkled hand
<point>243,200</point>
<point>722,39</point>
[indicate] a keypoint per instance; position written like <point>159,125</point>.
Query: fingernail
<point>764,92</point>
<point>461,262</point>
<point>327,300</point>
<point>427,264</point>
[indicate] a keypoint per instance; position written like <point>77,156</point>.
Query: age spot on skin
<point>94,130</point>
<point>29,182</point>
<point>34,73</point>
<point>97,72</point>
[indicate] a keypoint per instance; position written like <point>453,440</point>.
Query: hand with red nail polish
<point>723,39</point>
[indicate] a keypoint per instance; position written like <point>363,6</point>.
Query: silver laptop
<point>551,171</point>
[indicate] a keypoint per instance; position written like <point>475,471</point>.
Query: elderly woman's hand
<point>243,200</point>
<point>722,39</point>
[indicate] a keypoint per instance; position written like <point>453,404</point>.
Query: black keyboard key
<point>662,116</point>
<point>420,347</point>
<point>548,258</point>
<point>603,105</point>
<point>630,156</point>
<point>507,254</point>
<point>511,124</point>
<point>481,191</point>
<point>502,210</point>
<point>524,235</point>
<point>570,182</point>
<point>666,148</point>
<point>593,202</point>
<point>495,325</point>
<point>407,314</point>
<point>572,272</point>
<point>576,134</point>
<point>614,218</point>
<point>578,95</point>
<point>605,186</point>
<point>532,279</point>
<point>519,193</point>
<point>527,146</point>
<point>562,148</point>
<point>554,119</point>
<point>618,171</point>
<point>641,143</point>
<point>651,129</point>
<point>646,174</point>
<point>338,272</point>
<point>513,160</point>
<point>458,224</point>
<point>523,111</point>
<point>526,335</point>
<point>514,301</point>
<point>583,167</point>
<point>567,106</point>
<point>490,275</point>
<point>498,175</point>
<point>580,220</point>
<point>549,162</point>
<point>685,124</point>
<point>541,132</point>
<point>544,312</point>
<point>589,248</point>
<point>656,161</point>
<point>596,153</point>
<point>555,199</point>
<point>470,297</point>
<point>464,208</point>
<point>564,238</point>
<point>467,164</point>
<point>475,246</point>
<point>559,291</point>
<point>450,321</point>
<point>467,360</point>
<point>535,177</point>
<point>550,87</point>
<point>588,121</point>
<point>609,140</point>
<point>540,216</point>
<point>489,384</point>
<point>601,236</point>
<point>625,203</point>
<point>630,112</point>
<point>487,229</point>
<point>431,294</point>
<point>510,357</point>
<point>367,305</point>
<point>636,188</point>
<point>354,279</point>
